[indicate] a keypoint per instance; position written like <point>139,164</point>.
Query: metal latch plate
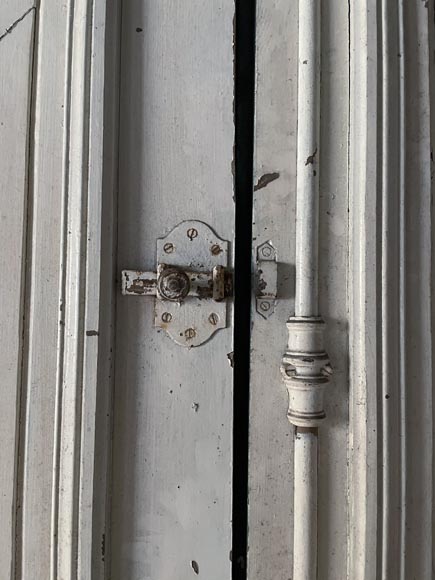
<point>267,279</point>
<point>195,247</point>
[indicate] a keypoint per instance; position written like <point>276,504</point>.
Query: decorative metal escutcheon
<point>190,286</point>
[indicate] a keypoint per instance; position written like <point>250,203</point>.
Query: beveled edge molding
<point>390,273</point>
<point>75,494</point>
<point>56,490</point>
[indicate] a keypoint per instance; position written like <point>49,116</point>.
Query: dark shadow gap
<point>244,72</point>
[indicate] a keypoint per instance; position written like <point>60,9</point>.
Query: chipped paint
<point>265,179</point>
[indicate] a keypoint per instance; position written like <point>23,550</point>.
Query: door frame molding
<point>66,389</point>
<point>390,275</point>
<point>69,286</point>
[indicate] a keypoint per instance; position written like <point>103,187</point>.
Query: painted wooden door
<point>140,133</point>
<point>172,434</point>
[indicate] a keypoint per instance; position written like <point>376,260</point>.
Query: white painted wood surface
<point>271,445</point>
<point>171,492</point>
<point>50,201</point>
<point>172,437</point>
<point>16,50</point>
<point>271,438</point>
<point>12,13</point>
<point>391,430</point>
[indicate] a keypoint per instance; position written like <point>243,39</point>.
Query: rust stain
<point>141,286</point>
<point>228,285</point>
<point>262,284</point>
<point>205,291</point>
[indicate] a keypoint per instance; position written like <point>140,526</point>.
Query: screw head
<point>192,233</point>
<point>266,251</point>
<point>168,248</point>
<point>166,317</point>
<point>213,318</point>
<point>190,333</point>
<point>216,249</point>
<point>265,306</point>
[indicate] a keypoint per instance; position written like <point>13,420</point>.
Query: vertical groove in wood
<point>16,57</point>
<point>431,88</point>
<point>102,483</point>
<point>333,281</point>
<point>417,65</point>
<point>72,365</point>
<point>391,323</point>
<point>399,268</point>
<point>61,353</point>
<point>44,287</point>
<point>363,292</point>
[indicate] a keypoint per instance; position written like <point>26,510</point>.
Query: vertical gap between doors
<point>244,76</point>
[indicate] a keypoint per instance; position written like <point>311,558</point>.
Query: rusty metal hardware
<point>175,284</point>
<point>190,285</point>
<point>267,279</point>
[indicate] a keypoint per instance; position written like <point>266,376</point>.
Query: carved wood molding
<point>62,356</point>
<point>391,420</point>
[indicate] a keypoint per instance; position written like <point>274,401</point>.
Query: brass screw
<point>168,248</point>
<point>216,249</point>
<point>190,333</point>
<point>166,317</point>
<point>213,318</point>
<point>192,233</point>
<point>265,306</point>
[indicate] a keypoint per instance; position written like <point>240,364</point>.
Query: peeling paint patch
<point>265,180</point>
<point>310,158</point>
<point>92,333</point>
<point>230,357</point>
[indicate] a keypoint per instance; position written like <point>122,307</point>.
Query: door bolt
<point>190,285</point>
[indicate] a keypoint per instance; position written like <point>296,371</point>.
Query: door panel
<point>172,439</point>
<point>271,447</point>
